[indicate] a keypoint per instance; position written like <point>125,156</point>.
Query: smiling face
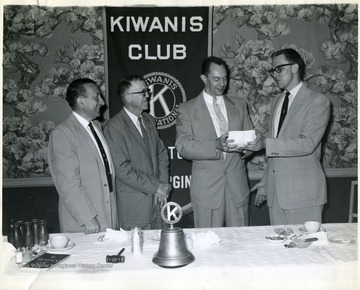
<point>216,81</point>
<point>90,102</point>
<point>288,77</point>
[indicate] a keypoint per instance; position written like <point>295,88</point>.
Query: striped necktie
<point>222,121</point>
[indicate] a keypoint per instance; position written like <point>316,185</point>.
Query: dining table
<point>244,258</point>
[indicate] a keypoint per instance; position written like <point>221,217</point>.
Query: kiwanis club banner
<point>166,45</point>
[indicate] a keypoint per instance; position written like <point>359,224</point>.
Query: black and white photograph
<point>179,145</point>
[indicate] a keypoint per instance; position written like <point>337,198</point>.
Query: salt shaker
<point>136,241</point>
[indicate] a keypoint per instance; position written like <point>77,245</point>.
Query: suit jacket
<point>294,169</point>
<point>195,141</point>
<point>139,169</point>
<point>80,178</point>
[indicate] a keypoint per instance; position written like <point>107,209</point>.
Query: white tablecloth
<point>243,259</point>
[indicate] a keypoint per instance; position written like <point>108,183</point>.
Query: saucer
<point>69,246</point>
<point>341,240</point>
<point>304,231</point>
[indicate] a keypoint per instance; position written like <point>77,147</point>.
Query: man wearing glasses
<point>140,158</point>
<point>294,183</point>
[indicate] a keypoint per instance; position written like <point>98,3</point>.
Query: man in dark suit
<point>140,158</point>
<point>294,182</point>
<point>81,164</point>
<point>219,188</point>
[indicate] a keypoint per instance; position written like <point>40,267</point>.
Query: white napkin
<point>204,240</point>
<point>241,138</point>
<point>119,236</point>
<point>7,253</point>
<point>322,239</point>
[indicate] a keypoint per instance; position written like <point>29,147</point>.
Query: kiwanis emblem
<point>167,93</point>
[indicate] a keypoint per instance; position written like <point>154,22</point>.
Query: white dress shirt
<point>85,124</point>
<point>292,96</point>
<point>135,120</point>
<point>209,103</point>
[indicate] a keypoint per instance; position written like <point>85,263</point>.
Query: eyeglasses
<point>277,69</point>
<point>143,92</point>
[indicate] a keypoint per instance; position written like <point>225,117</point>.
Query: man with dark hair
<point>81,164</point>
<point>140,157</point>
<point>219,188</point>
<point>294,183</point>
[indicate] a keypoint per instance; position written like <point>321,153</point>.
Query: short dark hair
<point>293,56</point>
<point>76,89</point>
<point>125,84</point>
<point>205,69</point>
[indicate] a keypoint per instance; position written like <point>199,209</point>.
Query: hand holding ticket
<point>241,138</point>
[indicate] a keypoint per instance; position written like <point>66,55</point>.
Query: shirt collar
<point>133,117</point>
<point>295,90</point>
<point>81,119</point>
<point>209,98</point>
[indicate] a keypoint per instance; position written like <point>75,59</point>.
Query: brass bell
<point>173,251</point>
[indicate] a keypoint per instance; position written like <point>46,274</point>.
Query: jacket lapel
<point>203,116</point>
<point>84,135</point>
<point>133,131</point>
<point>293,108</point>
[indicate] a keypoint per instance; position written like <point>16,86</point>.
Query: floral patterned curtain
<point>45,48</point>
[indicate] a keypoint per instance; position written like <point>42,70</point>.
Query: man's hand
<point>159,199</point>
<point>257,144</point>
<point>162,194</point>
<point>260,195</point>
<point>92,227</point>
<point>243,153</point>
<point>223,144</point>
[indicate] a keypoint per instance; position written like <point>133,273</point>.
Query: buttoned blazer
<point>80,178</point>
<point>195,140</point>
<point>139,169</point>
<point>294,169</point>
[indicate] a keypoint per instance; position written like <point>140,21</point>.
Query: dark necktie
<point>283,113</point>
<point>103,155</point>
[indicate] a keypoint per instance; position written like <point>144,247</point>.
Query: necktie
<point>143,131</point>
<point>222,121</point>
<point>103,155</point>
<point>283,113</point>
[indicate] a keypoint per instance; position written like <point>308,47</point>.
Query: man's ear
<point>80,102</point>
<point>295,68</point>
<point>203,78</point>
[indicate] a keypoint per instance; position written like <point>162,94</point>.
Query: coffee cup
<point>59,241</point>
<point>312,226</point>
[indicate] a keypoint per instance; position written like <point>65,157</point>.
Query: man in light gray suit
<point>219,188</point>
<point>81,164</point>
<point>294,183</point>
<point>140,157</point>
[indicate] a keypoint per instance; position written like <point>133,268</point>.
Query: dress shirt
<point>135,120</point>
<point>209,104</point>
<point>292,96</point>
<point>85,124</point>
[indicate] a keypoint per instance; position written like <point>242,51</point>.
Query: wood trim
<point>253,175</point>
